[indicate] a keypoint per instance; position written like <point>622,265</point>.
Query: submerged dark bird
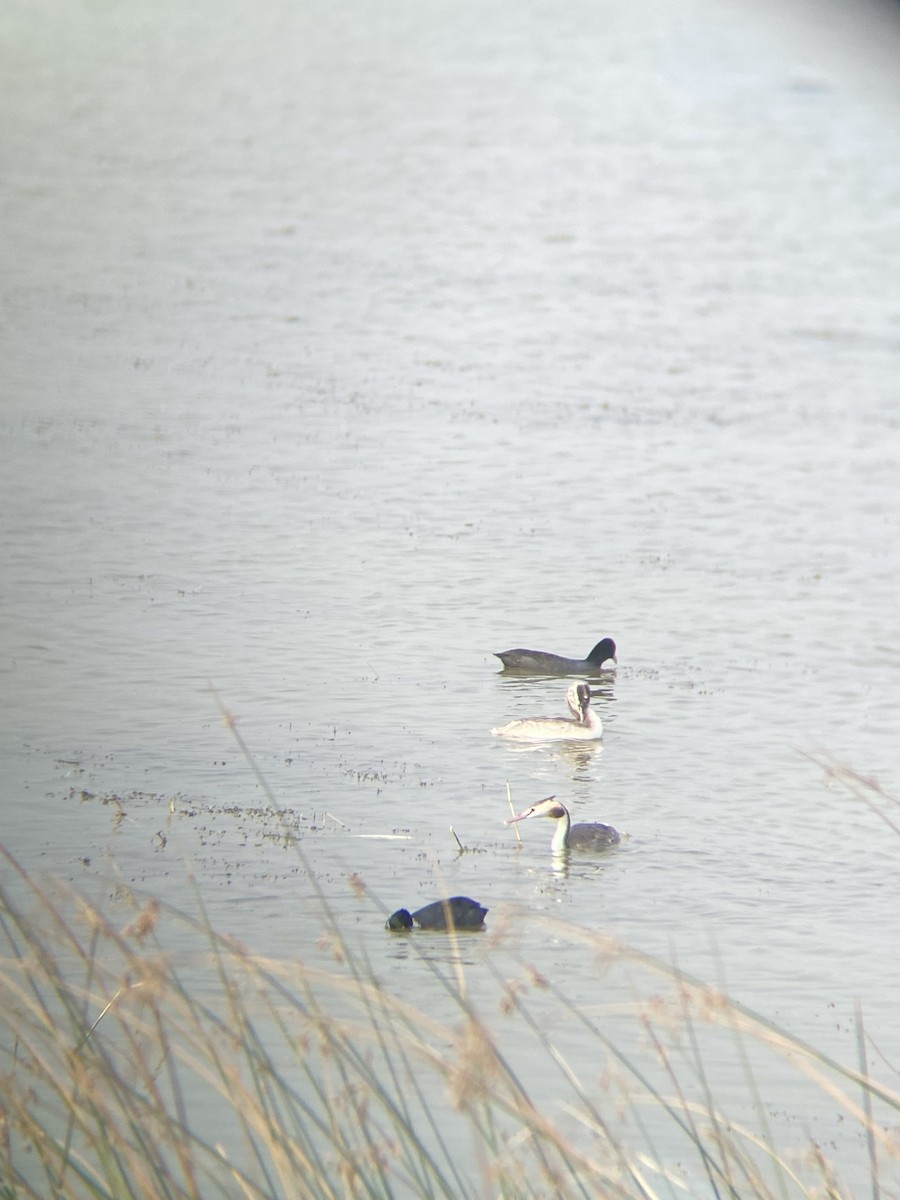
<point>459,912</point>
<point>539,662</point>
<point>566,836</point>
<point>583,726</point>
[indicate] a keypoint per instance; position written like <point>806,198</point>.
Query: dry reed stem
<point>313,1063</point>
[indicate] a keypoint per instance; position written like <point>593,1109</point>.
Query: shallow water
<point>345,346</point>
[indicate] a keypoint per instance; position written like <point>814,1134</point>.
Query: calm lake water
<point>344,344</point>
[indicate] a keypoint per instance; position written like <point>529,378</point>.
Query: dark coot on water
<point>539,662</point>
<point>459,912</point>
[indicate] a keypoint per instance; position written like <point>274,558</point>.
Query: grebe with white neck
<point>539,662</point>
<point>583,726</point>
<point>566,836</point>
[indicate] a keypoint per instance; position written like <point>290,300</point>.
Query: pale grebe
<point>541,663</point>
<point>567,836</point>
<point>586,726</point>
<point>459,912</point>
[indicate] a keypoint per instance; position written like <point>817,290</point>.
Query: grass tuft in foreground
<point>162,1059</point>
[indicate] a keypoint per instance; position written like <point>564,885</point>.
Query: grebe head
<point>548,807</point>
<point>578,698</point>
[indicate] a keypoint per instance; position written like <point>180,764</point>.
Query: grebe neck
<point>560,842</point>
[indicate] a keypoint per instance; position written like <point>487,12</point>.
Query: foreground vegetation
<point>125,1073</point>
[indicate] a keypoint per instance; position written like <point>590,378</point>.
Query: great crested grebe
<point>458,912</point>
<point>566,836</point>
<point>541,663</point>
<point>586,725</point>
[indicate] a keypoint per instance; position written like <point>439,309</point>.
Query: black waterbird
<point>458,912</point>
